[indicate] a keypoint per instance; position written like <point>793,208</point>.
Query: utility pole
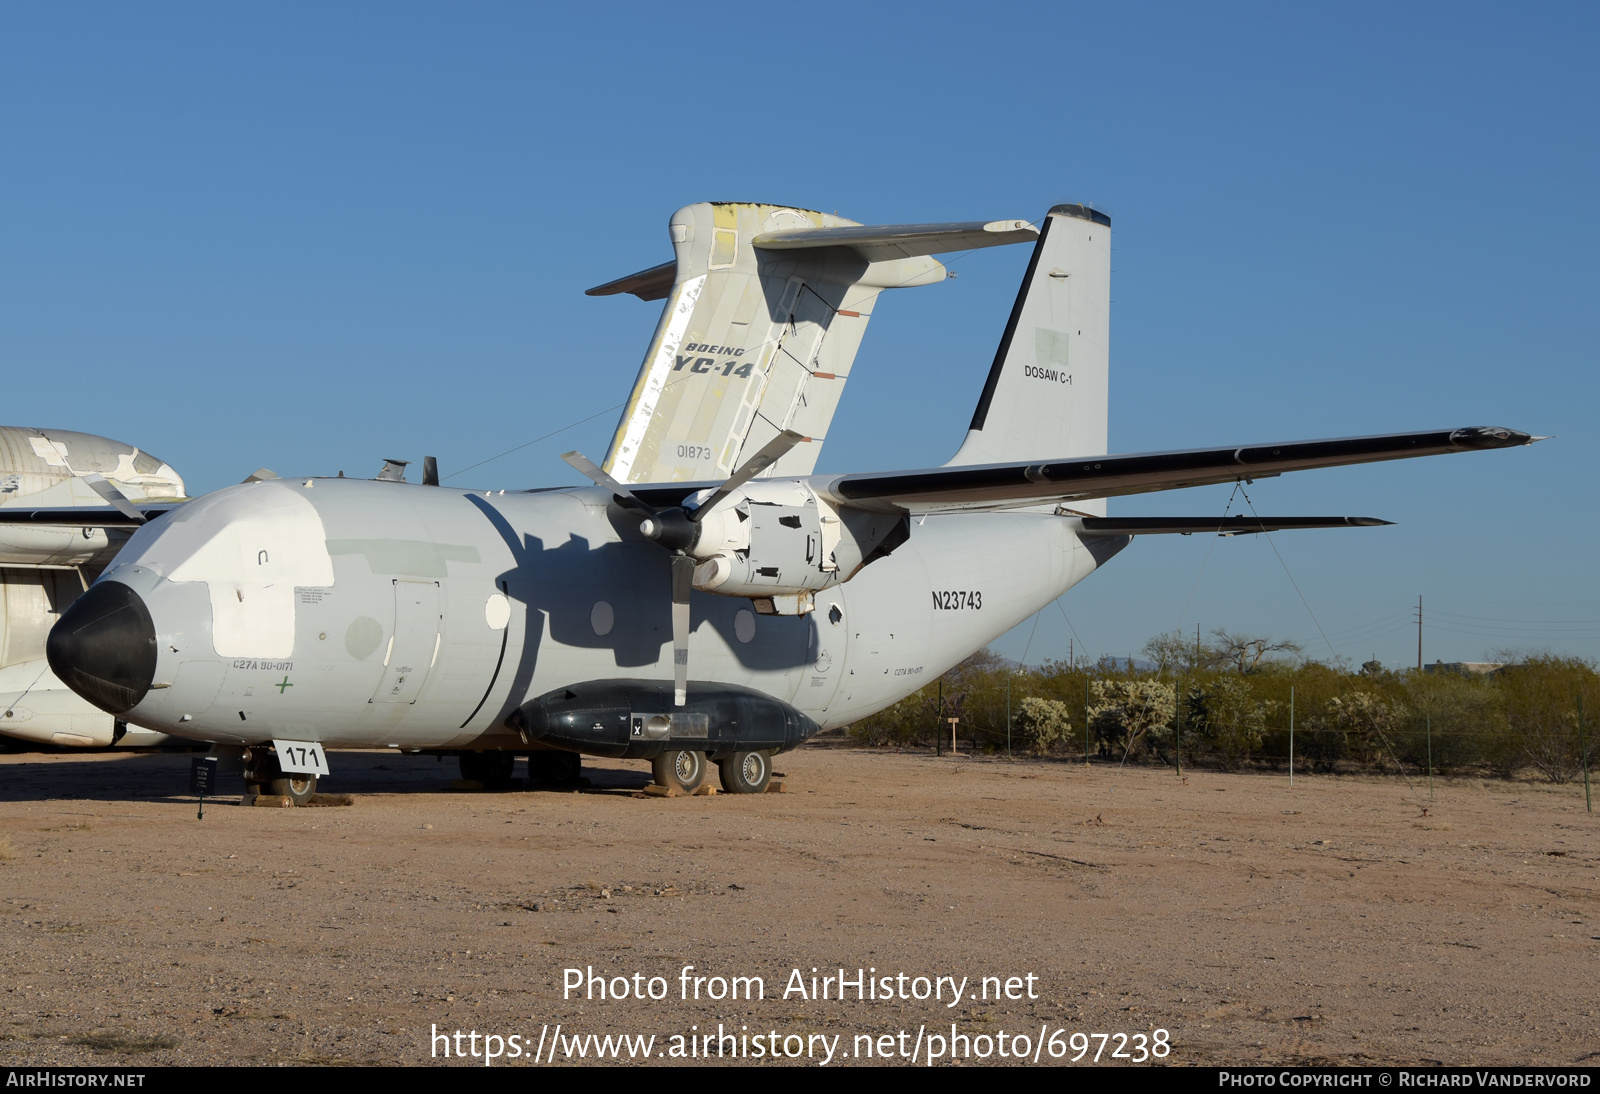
<point>938,736</point>
<point>1419,632</point>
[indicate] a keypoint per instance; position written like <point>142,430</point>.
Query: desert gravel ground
<point>1334,923</point>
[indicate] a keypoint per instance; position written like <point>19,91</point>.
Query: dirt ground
<point>1334,923</point>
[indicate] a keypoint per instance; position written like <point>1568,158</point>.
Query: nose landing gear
<point>263,776</point>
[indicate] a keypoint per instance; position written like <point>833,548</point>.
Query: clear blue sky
<point>311,236</point>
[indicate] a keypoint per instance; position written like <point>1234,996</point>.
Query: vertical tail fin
<point>766,308</point>
<point>750,343</point>
<point>1046,395</point>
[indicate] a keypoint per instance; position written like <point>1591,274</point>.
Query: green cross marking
<point>283,685</point>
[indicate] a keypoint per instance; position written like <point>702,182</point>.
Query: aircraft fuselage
<point>358,613</point>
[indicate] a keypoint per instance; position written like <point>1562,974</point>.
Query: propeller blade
<point>774,451</point>
<point>113,497</point>
<point>586,467</point>
<point>682,582</point>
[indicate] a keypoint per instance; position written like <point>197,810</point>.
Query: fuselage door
<point>414,643</point>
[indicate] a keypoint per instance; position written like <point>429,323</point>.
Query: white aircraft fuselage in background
<point>43,569</point>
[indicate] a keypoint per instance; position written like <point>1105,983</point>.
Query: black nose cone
<point>104,647</point>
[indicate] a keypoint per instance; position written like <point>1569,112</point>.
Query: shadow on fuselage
<point>633,578</point>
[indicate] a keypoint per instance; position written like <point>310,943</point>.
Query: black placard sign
<point>203,775</point>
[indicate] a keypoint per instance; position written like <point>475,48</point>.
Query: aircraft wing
<point>1014,485</point>
<point>84,516</point>
<point>1237,525</point>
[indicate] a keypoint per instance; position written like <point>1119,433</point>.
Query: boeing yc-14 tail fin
<point>766,308</point>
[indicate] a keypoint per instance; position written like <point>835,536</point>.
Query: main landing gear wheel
<point>746,772</point>
<point>554,768</point>
<point>680,769</point>
<point>297,788</point>
<point>487,768</point>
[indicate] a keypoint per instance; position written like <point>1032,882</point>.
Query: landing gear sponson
<point>739,729</point>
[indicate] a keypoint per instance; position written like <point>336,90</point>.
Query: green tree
<point>1176,654</point>
<point>1454,717</point>
<point>1538,699</point>
<point>1226,715</point>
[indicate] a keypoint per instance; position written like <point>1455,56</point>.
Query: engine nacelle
<point>778,544</point>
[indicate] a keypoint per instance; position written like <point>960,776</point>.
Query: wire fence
<point>1519,719</point>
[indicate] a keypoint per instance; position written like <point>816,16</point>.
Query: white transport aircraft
<point>719,620</point>
<point>43,569</point>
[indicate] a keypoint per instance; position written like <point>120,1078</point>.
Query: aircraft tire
<point>680,769</point>
<point>555,768</point>
<point>488,768</point>
<point>745,772</point>
<point>297,788</point>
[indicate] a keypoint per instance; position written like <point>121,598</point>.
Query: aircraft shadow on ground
<point>163,777</point>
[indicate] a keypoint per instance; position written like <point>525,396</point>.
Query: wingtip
<point>1491,436</point>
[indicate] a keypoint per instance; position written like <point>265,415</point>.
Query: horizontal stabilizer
<point>999,486</point>
<point>652,284</point>
<point>83,516</point>
<point>881,242</point>
<point>1238,525</point>
<point>875,243</point>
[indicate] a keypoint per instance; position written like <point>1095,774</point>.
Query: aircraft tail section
<point>766,307</point>
<point>1046,394</point>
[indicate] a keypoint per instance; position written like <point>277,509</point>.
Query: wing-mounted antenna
<point>766,308</point>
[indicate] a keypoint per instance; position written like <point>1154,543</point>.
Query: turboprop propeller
<point>676,528</point>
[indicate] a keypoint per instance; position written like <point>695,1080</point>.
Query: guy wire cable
<point>1292,581</point>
